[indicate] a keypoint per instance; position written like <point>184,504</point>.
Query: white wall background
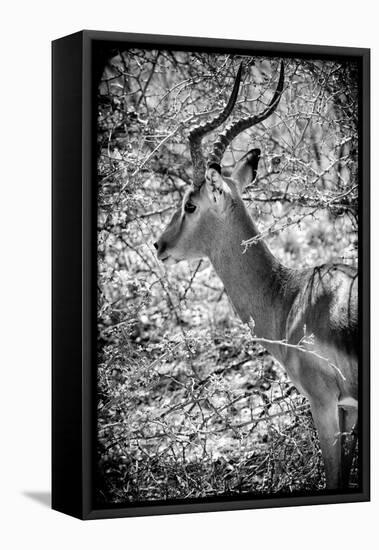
<point>27,29</point>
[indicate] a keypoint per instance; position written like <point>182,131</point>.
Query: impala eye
<point>189,208</point>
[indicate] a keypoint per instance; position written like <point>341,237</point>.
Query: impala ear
<point>213,177</point>
<point>214,184</point>
<point>215,166</point>
<point>245,171</point>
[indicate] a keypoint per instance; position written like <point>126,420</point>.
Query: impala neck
<point>258,285</point>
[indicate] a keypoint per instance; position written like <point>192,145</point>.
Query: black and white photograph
<point>189,265</point>
<point>228,256</point>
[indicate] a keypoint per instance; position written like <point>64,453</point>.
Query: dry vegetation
<point>188,405</point>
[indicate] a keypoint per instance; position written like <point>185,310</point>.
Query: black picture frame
<point>75,70</point>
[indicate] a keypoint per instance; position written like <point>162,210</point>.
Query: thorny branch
<point>189,402</point>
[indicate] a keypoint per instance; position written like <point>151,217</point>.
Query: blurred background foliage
<point>188,406</point>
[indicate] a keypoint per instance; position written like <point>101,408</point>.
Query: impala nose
<point>160,246</point>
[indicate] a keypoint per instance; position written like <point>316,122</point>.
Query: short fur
<point>316,307</point>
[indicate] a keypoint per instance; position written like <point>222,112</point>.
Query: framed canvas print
<point>210,274</point>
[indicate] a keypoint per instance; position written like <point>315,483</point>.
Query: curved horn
<point>232,131</point>
<point>196,134</point>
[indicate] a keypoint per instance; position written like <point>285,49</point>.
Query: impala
<point>307,318</point>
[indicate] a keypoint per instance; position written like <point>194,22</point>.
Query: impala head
<point>210,203</point>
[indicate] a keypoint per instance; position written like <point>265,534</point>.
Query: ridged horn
<point>232,131</point>
<point>196,134</point>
